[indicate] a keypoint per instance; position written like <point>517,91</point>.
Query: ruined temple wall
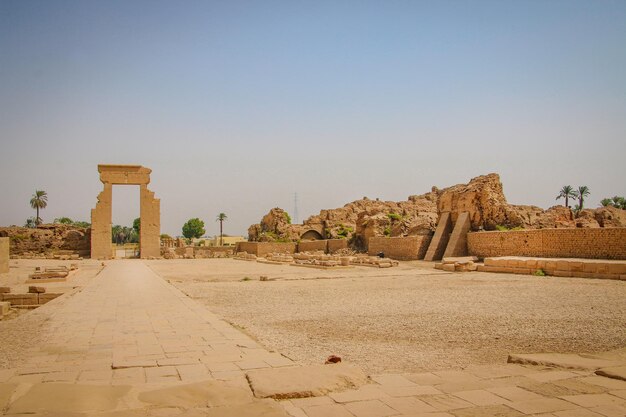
<point>313,246</point>
<point>592,243</point>
<point>400,248</point>
<point>263,248</point>
<point>335,245</point>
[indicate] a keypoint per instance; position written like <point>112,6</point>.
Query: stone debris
<point>458,264</point>
<point>245,256</point>
<point>277,257</point>
<point>36,290</point>
<point>57,272</point>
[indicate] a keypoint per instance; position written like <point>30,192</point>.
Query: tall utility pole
<point>295,209</point>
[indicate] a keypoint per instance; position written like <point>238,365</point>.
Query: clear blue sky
<point>237,105</point>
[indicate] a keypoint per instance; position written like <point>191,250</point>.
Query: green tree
<point>222,218</point>
<point>582,192</point>
<point>194,228</point>
<point>63,220</point>
<point>605,202</point>
<point>137,225</point>
<point>566,192</point>
<point>31,222</point>
<point>616,201</point>
<point>39,201</point>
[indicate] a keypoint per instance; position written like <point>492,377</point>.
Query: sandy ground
<point>21,330</point>
<point>406,319</point>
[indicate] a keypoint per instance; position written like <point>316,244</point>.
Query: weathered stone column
<point>101,222</point>
<point>4,256</point>
<point>150,212</point>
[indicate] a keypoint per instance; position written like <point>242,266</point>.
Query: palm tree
<point>566,192</point>
<point>580,194</point>
<point>619,202</point>
<point>605,202</point>
<point>39,201</point>
<point>221,218</point>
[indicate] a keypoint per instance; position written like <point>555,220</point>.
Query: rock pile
<point>482,198</point>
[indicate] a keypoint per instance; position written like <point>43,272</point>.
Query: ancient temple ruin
<point>149,209</point>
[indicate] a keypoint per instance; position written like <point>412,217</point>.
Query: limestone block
<point>491,261</point>
<point>4,290</point>
<point>5,307</point>
<point>448,267</point>
<point>21,299</point>
<point>590,267</point>
<point>36,290</point>
<point>565,274</point>
<point>576,266</point>
<point>563,266</point>
<point>617,268</point>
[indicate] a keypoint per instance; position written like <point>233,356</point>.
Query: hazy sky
<point>238,105</point>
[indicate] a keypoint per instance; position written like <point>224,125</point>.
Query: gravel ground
<point>406,319</point>
<point>23,329</point>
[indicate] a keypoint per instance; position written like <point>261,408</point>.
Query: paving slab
<point>70,398</point>
<point>304,381</point>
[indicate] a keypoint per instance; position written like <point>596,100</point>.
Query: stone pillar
<point>150,212</point>
<point>4,256</point>
<point>101,223</point>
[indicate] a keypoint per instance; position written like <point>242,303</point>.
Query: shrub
<point>539,273</point>
<point>394,216</point>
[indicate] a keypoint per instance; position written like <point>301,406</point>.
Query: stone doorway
<point>149,211</point>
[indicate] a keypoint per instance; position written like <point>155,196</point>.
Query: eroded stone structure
<point>4,255</point>
<point>149,211</point>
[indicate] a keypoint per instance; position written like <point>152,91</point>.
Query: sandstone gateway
<point>149,211</point>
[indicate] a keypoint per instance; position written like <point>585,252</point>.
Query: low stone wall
<point>568,267</point>
<point>335,245</point>
<point>263,248</point>
<point>592,243</point>
<point>213,251</point>
<point>29,299</point>
<point>313,246</point>
<point>400,248</point>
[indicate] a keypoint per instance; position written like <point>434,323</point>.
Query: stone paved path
<point>130,344</point>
